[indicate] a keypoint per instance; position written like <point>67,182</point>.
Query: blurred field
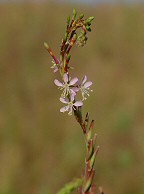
<point>41,149</point>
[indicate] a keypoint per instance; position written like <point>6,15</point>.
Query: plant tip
<point>74,13</point>
<point>46,45</point>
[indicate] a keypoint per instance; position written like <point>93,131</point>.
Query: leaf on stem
<point>69,187</point>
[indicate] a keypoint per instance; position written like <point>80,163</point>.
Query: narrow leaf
<point>68,188</point>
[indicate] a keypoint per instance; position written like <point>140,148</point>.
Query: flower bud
<point>83,32</point>
<point>68,20</point>
<point>68,57</point>
<point>88,28</point>
<point>90,19</point>
<point>46,45</point>
<point>74,37</point>
<point>81,16</point>
<point>88,135</point>
<point>66,36</point>
<point>89,23</point>
<point>74,13</point>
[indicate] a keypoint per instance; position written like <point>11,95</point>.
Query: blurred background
<point>42,149</point>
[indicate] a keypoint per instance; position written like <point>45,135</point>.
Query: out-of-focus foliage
<point>42,149</point>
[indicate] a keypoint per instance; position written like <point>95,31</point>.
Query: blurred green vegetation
<point>41,149</point>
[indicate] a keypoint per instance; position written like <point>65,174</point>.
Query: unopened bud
<point>74,37</point>
<point>46,45</point>
<point>90,19</point>
<point>65,38</point>
<point>83,32</point>
<point>101,190</point>
<point>81,16</point>
<point>89,23</point>
<point>74,13</point>
<point>88,28</point>
<point>68,20</point>
<point>68,57</point>
<point>88,135</point>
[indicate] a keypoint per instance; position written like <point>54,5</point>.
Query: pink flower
<point>70,104</point>
<point>84,87</point>
<point>67,85</point>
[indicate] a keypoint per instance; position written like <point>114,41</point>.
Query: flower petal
<point>63,100</point>
<point>78,103</point>
<point>58,83</point>
<point>72,92</point>
<point>55,69</point>
<point>87,84</point>
<point>73,81</point>
<point>84,79</point>
<point>72,97</point>
<point>65,77</point>
<point>65,108</point>
<point>75,89</point>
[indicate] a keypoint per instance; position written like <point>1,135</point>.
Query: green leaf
<point>89,182</point>
<point>68,188</point>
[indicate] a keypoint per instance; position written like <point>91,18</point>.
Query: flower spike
<point>70,87</point>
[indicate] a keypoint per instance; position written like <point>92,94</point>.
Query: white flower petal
<point>72,97</point>
<point>65,77</point>
<point>73,81</point>
<point>84,79</point>
<point>65,108</point>
<point>83,93</point>
<point>58,83</point>
<point>72,92</point>
<point>75,89</point>
<point>55,69</point>
<point>63,100</point>
<point>87,84</point>
<point>78,103</point>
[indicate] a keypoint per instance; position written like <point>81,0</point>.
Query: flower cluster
<point>70,88</point>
